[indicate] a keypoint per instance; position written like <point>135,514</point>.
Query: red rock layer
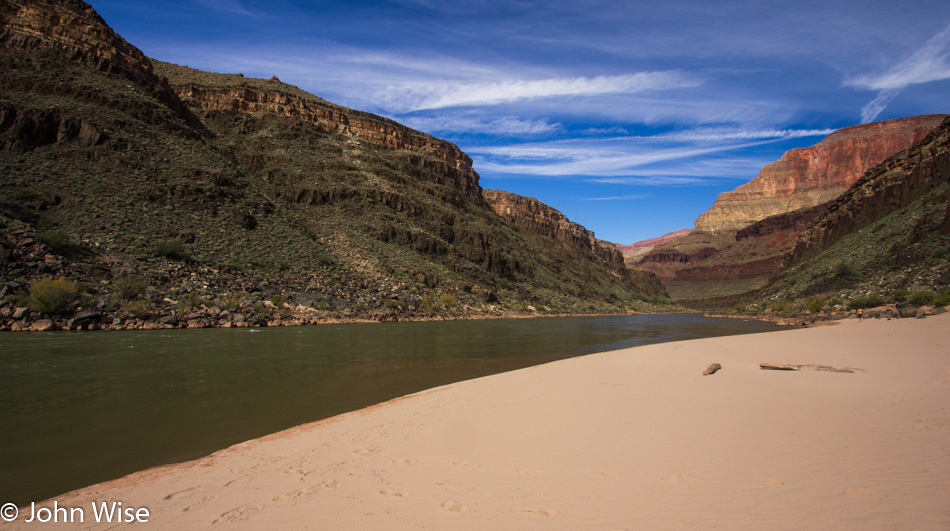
<point>806,177</point>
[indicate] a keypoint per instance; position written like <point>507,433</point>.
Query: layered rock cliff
<point>234,92</point>
<point>742,242</point>
<point>534,216</point>
<point>806,177</point>
<point>633,251</point>
<point>234,190</point>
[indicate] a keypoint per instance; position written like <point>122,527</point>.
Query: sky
<point>630,117</point>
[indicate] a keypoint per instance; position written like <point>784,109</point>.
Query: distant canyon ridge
<point>743,241</point>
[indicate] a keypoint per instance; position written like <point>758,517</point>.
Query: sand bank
<point>631,439</point>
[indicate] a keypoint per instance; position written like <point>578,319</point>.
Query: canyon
<point>740,243</point>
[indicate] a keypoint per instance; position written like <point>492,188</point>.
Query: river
<point>77,408</point>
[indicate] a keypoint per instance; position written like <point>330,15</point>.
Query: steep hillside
<point>221,195</point>
<point>889,231</point>
<point>742,240</point>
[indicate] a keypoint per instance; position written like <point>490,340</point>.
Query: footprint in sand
<point>237,514</point>
<point>372,450</point>
<point>394,493</point>
<point>866,493</point>
<point>404,461</point>
<point>295,494</point>
<point>539,513</point>
<point>198,504</point>
<point>455,507</point>
<point>759,481</point>
<point>180,493</point>
<point>331,484</point>
<point>601,473</point>
<point>530,471</point>
<point>465,464</point>
<point>681,479</point>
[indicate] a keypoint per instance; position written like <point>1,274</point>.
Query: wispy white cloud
<point>229,6</point>
<point>628,197</point>
<point>591,162</point>
<point>438,95</point>
<point>504,125</point>
<point>927,64</point>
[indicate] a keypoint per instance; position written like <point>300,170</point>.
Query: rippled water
<point>77,408</point>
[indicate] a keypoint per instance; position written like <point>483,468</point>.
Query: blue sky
<point>629,117</point>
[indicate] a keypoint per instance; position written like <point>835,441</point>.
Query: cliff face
<point>258,188</point>
<point>224,92</point>
<point>806,177</point>
<point>536,217</point>
<point>633,251</point>
<point>72,29</point>
<point>889,187</point>
<point>743,241</point>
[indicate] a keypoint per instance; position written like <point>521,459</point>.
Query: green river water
<point>77,408</point>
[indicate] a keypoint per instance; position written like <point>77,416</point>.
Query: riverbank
<point>635,439</point>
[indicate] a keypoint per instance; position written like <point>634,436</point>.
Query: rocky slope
<point>633,251</point>
<point>806,177</point>
<point>218,193</point>
<point>743,240</point>
<point>889,231</point>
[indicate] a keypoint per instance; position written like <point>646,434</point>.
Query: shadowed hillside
<point>216,196</point>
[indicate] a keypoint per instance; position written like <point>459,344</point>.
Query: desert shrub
<point>816,305</point>
<point>277,301</point>
<point>173,249</point>
<point>780,306</point>
<point>138,308</point>
<point>130,286</point>
<point>900,295</point>
<point>448,301</point>
<point>835,301</point>
<point>943,298</point>
<point>741,307</point>
<point>428,303</point>
<point>260,308</point>
<point>845,270</point>
<point>867,301</point>
<point>921,298</point>
<point>52,296</point>
<point>56,240</point>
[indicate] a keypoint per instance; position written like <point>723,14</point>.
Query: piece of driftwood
<point>786,367</point>
<point>712,369</point>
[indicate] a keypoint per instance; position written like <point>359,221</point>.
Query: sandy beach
<point>630,439</point>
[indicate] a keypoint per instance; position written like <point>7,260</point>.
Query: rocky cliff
<point>635,250</point>
<point>806,177</point>
<point>219,192</point>
<point>536,217</point>
<point>740,243</point>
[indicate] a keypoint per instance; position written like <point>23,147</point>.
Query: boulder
<point>43,325</point>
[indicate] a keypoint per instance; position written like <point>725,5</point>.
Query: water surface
<point>77,408</point>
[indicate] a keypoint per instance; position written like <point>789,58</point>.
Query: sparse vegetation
<point>51,297</point>
<point>816,305</point>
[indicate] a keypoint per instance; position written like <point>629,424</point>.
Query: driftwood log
<point>712,369</point>
<point>786,367</point>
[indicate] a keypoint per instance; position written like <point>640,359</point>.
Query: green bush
<point>428,303</point>
<point>816,305</point>
<point>56,240</point>
<point>921,298</point>
<point>845,271</point>
<point>130,286</point>
<point>900,295</point>
<point>741,307</point>
<point>52,296</point>
<point>448,301</point>
<point>943,298</point>
<point>870,300</point>
<point>277,301</point>
<point>173,249</point>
